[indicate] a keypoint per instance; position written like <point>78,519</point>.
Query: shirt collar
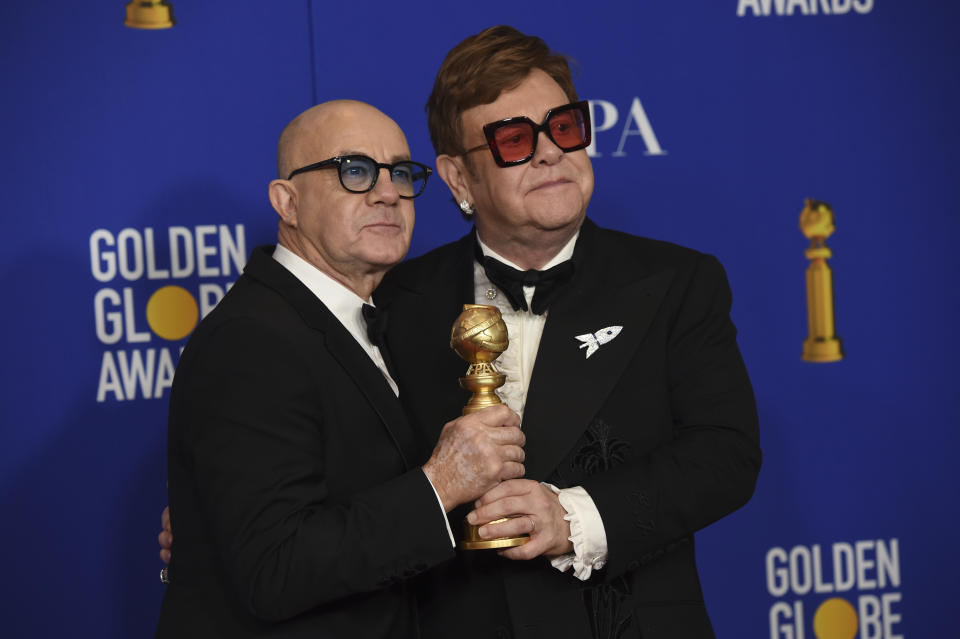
<point>565,253</point>
<point>339,300</point>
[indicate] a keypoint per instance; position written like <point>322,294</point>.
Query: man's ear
<point>454,172</point>
<point>283,197</point>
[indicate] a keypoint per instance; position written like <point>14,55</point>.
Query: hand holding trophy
<point>479,336</point>
<point>483,447</point>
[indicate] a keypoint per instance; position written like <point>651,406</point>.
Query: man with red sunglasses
<point>638,412</point>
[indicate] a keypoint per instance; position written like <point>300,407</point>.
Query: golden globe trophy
<point>479,335</point>
<point>822,344</point>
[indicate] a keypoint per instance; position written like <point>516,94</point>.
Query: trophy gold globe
<point>479,336</point>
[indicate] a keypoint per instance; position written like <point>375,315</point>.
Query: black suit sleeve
<point>255,438</point>
<point>708,466</point>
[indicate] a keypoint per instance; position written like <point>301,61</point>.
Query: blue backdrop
<point>134,161</point>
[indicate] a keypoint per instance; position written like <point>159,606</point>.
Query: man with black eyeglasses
<point>638,413</point>
<point>298,489</point>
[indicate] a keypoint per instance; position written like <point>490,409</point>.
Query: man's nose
<point>384,190</point>
<point>547,152</point>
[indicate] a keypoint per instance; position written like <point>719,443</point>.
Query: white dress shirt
<point>347,307</point>
<point>525,330</point>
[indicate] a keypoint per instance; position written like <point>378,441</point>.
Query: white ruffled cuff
<point>586,533</point>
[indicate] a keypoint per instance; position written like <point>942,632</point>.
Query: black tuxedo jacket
<point>658,425</point>
<point>299,506</point>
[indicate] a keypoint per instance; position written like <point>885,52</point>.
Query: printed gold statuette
<point>149,14</point>
<point>479,336</point>
<point>822,344</point>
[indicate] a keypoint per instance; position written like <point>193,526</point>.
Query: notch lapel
<point>341,345</point>
<point>371,382</point>
<point>423,304</point>
<point>567,388</point>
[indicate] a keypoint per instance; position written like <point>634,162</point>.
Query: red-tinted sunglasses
<point>514,140</point>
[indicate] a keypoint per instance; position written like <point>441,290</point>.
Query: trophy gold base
<point>822,350</point>
<point>482,387</point>
<point>472,540</point>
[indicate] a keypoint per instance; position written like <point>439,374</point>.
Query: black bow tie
<point>549,283</point>
<point>376,320</point>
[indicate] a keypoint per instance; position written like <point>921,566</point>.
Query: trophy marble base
<point>472,540</point>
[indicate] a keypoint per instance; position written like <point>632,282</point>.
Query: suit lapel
<point>341,345</point>
<point>567,388</point>
<point>422,310</point>
<point>369,379</point>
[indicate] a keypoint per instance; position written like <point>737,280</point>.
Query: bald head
<point>302,141</point>
<point>353,237</point>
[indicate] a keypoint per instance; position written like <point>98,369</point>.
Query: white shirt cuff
<point>453,542</point>
<point>586,532</point>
